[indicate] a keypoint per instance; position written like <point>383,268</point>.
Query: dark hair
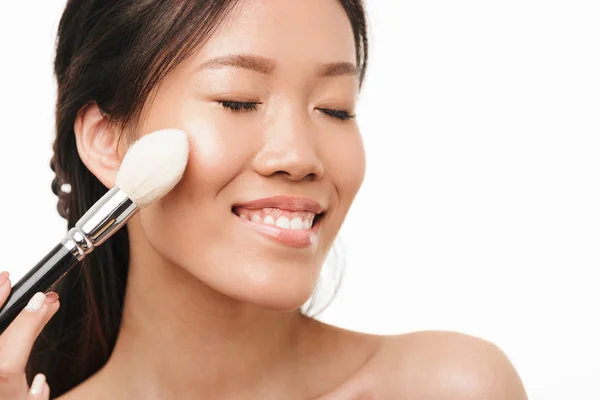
<point>115,53</point>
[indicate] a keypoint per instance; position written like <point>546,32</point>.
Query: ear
<point>97,144</point>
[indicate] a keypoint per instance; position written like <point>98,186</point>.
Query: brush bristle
<point>153,166</point>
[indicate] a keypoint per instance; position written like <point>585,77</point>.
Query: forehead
<point>288,31</point>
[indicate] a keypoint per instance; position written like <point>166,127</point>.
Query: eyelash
<point>337,114</point>
<point>239,106</point>
<point>242,106</point>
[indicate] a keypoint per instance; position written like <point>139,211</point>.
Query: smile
<point>292,228</point>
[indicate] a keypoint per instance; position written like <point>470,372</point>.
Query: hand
<point>16,343</point>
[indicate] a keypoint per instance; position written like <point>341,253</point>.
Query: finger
<point>39,388</point>
<point>4,287</point>
<point>30,312</point>
<point>16,342</point>
<point>46,394</point>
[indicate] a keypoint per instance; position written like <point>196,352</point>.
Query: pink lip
<point>293,238</point>
<point>285,203</point>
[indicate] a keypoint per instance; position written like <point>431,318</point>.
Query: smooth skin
<point>210,309</point>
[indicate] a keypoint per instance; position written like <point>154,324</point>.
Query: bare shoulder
<point>442,366</point>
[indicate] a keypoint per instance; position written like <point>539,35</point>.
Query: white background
<point>480,212</point>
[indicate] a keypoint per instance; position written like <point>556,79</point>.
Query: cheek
<point>190,212</point>
<point>214,161</point>
<point>218,148</point>
<point>344,156</point>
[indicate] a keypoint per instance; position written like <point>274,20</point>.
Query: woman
<point>191,301</point>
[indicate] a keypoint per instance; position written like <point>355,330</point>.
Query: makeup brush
<point>151,168</point>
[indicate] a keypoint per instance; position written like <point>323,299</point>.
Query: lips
<point>292,221</point>
<point>288,203</point>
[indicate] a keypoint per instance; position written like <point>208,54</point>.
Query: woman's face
<point>265,103</point>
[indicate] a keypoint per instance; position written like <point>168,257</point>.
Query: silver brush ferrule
<point>99,223</point>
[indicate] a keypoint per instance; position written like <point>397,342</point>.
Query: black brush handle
<point>99,223</point>
<point>41,278</point>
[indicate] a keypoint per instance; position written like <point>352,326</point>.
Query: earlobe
<point>97,144</point>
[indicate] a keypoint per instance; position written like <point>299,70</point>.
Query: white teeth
<point>297,224</point>
<point>283,222</point>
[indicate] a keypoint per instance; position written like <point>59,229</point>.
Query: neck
<point>179,338</point>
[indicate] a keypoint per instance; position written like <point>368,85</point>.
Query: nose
<point>290,150</point>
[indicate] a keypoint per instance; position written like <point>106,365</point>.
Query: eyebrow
<point>254,63</point>
<point>265,65</point>
<point>337,69</point>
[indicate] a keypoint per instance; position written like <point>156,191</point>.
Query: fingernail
<point>37,386</point>
<point>51,297</point>
<point>3,277</point>
<point>36,302</point>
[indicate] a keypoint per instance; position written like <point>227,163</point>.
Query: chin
<point>266,288</point>
<point>276,299</point>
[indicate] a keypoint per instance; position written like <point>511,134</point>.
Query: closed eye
<point>247,106</point>
<point>337,114</point>
<point>239,106</point>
